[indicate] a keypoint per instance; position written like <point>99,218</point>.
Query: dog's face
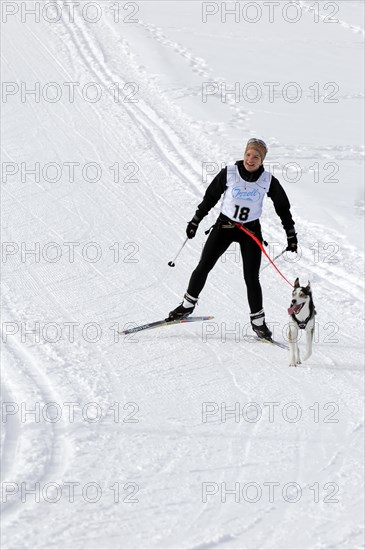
<point>300,296</point>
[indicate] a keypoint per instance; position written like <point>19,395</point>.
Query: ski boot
<point>185,309</point>
<point>259,326</point>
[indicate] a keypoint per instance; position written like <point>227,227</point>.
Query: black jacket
<point>276,194</point>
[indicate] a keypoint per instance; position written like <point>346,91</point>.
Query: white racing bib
<point>242,201</point>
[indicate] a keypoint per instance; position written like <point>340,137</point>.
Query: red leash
<point>263,250</point>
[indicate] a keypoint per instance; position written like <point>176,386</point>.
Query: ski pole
<point>172,263</point>
<point>276,257</point>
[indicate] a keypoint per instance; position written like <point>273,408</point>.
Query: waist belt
<point>226,223</point>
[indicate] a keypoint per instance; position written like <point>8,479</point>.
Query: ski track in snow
<point>174,389</point>
<point>58,448</point>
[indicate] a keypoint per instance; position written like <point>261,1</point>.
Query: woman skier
<point>244,185</point>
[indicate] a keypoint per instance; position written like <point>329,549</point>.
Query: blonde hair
<point>259,146</point>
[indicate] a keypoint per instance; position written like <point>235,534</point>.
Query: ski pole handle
<point>276,257</point>
<point>172,263</point>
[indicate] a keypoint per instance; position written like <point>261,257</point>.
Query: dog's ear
<point>296,283</point>
<point>307,289</point>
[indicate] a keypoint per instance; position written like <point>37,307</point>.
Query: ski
<point>273,342</point>
<point>164,322</point>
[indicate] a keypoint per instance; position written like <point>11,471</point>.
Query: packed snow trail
<point>185,411</point>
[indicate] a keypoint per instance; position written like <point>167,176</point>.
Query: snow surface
<point>165,378</point>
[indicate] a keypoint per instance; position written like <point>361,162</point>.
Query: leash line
<point>263,250</point>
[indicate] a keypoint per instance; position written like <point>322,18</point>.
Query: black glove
<point>292,240</point>
<point>192,227</point>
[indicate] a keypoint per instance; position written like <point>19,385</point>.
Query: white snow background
<point>137,450</point>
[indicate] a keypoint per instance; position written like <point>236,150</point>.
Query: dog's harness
<point>303,324</point>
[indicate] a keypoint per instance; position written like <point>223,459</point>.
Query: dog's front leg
<point>298,355</point>
<point>309,333</point>
<point>293,344</point>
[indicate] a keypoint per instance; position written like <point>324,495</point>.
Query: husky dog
<point>302,312</point>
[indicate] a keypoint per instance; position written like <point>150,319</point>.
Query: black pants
<point>217,243</point>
